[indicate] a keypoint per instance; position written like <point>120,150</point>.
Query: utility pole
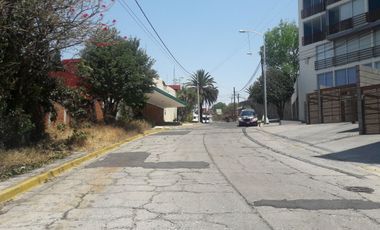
<point>238,101</point>
<point>234,105</point>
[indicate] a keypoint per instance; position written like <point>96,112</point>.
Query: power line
<point>159,37</point>
<point>142,26</point>
<point>252,77</point>
<point>227,58</point>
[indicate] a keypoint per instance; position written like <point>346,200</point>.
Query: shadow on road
<point>369,154</point>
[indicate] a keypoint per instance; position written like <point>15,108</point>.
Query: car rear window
<point>247,113</point>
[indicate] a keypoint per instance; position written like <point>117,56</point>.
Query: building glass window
<point>377,38</point>
<point>358,7</point>
<point>340,47</point>
<point>314,30</point>
<point>351,75</point>
<point>352,45</point>
<point>377,65</point>
<point>325,51</point>
<point>340,77</point>
<point>365,41</point>
<point>345,11</point>
<point>325,80</point>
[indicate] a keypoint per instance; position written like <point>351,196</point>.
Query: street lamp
<point>266,121</point>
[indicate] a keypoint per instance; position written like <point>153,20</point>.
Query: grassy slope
<point>63,143</point>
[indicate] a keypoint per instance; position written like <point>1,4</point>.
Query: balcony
<point>358,21</point>
<point>347,58</point>
<point>320,7</point>
<point>307,40</point>
<point>329,2</point>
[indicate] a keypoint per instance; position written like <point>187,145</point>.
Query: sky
<point>204,34</point>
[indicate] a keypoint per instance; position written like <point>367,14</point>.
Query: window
<point>314,30</point>
<point>377,38</point>
<point>358,7</point>
<point>345,76</point>
<point>351,75</point>
<point>310,3</point>
<point>365,41</point>
<point>373,5</point>
<point>340,47</point>
<point>377,65</point>
<point>325,51</point>
<point>340,77</point>
<point>345,11</point>
<point>353,44</point>
<point>325,80</point>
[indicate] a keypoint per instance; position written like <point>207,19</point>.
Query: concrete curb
<point>34,181</point>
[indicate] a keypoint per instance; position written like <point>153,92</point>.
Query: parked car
<point>247,117</point>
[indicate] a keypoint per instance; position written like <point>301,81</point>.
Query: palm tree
<point>208,92</point>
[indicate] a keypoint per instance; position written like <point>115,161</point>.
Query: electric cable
<point>159,37</point>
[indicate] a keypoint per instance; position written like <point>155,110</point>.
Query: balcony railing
<point>356,21</point>
<point>343,59</point>
<point>307,12</point>
<point>313,38</point>
<point>329,2</point>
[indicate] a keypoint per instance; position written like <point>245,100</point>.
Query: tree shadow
<point>369,154</point>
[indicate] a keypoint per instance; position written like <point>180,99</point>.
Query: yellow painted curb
<point>28,184</point>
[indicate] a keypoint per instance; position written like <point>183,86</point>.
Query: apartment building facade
<point>335,36</point>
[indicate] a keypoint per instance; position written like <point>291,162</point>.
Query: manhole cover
<point>359,189</point>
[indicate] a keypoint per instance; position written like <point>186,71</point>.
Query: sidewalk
<point>338,142</point>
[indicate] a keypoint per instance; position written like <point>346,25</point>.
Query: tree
<point>282,49</point>
<point>279,90</point>
<point>32,34</point>
<point>117,70</point>
<point>208,92</point>
<point>282,66</point>
<point>189,96</point>
<point>219,105</point>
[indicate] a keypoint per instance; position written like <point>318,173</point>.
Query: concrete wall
<point>170,114</point>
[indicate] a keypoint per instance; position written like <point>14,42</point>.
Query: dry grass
<point>61,144</point>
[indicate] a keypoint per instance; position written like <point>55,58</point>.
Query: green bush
<point>78,138</point>
<point>15,127</point>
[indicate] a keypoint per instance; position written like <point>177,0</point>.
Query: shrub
<point>78,138</point>
<point>15,127</point>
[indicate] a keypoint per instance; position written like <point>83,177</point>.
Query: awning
<point>162,99</point>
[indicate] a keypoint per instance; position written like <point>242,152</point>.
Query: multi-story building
<point>335,36</point>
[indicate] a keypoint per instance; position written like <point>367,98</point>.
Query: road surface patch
<point>34,181</point>
<point>319,204</point>
<point>172,133</point>
<point>137,159</point>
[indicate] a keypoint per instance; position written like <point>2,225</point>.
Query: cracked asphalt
<point>215,176</point>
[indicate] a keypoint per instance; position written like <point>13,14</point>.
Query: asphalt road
<point>215,176</point>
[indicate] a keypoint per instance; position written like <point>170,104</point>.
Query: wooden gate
<point>371,109</point>
<point>313,108</point>
<point>333,105</point>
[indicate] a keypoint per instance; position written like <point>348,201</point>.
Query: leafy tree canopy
<point>117,70</point>
<point>208,92</point>
<point>282,66</point>
<point>32,34</point>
